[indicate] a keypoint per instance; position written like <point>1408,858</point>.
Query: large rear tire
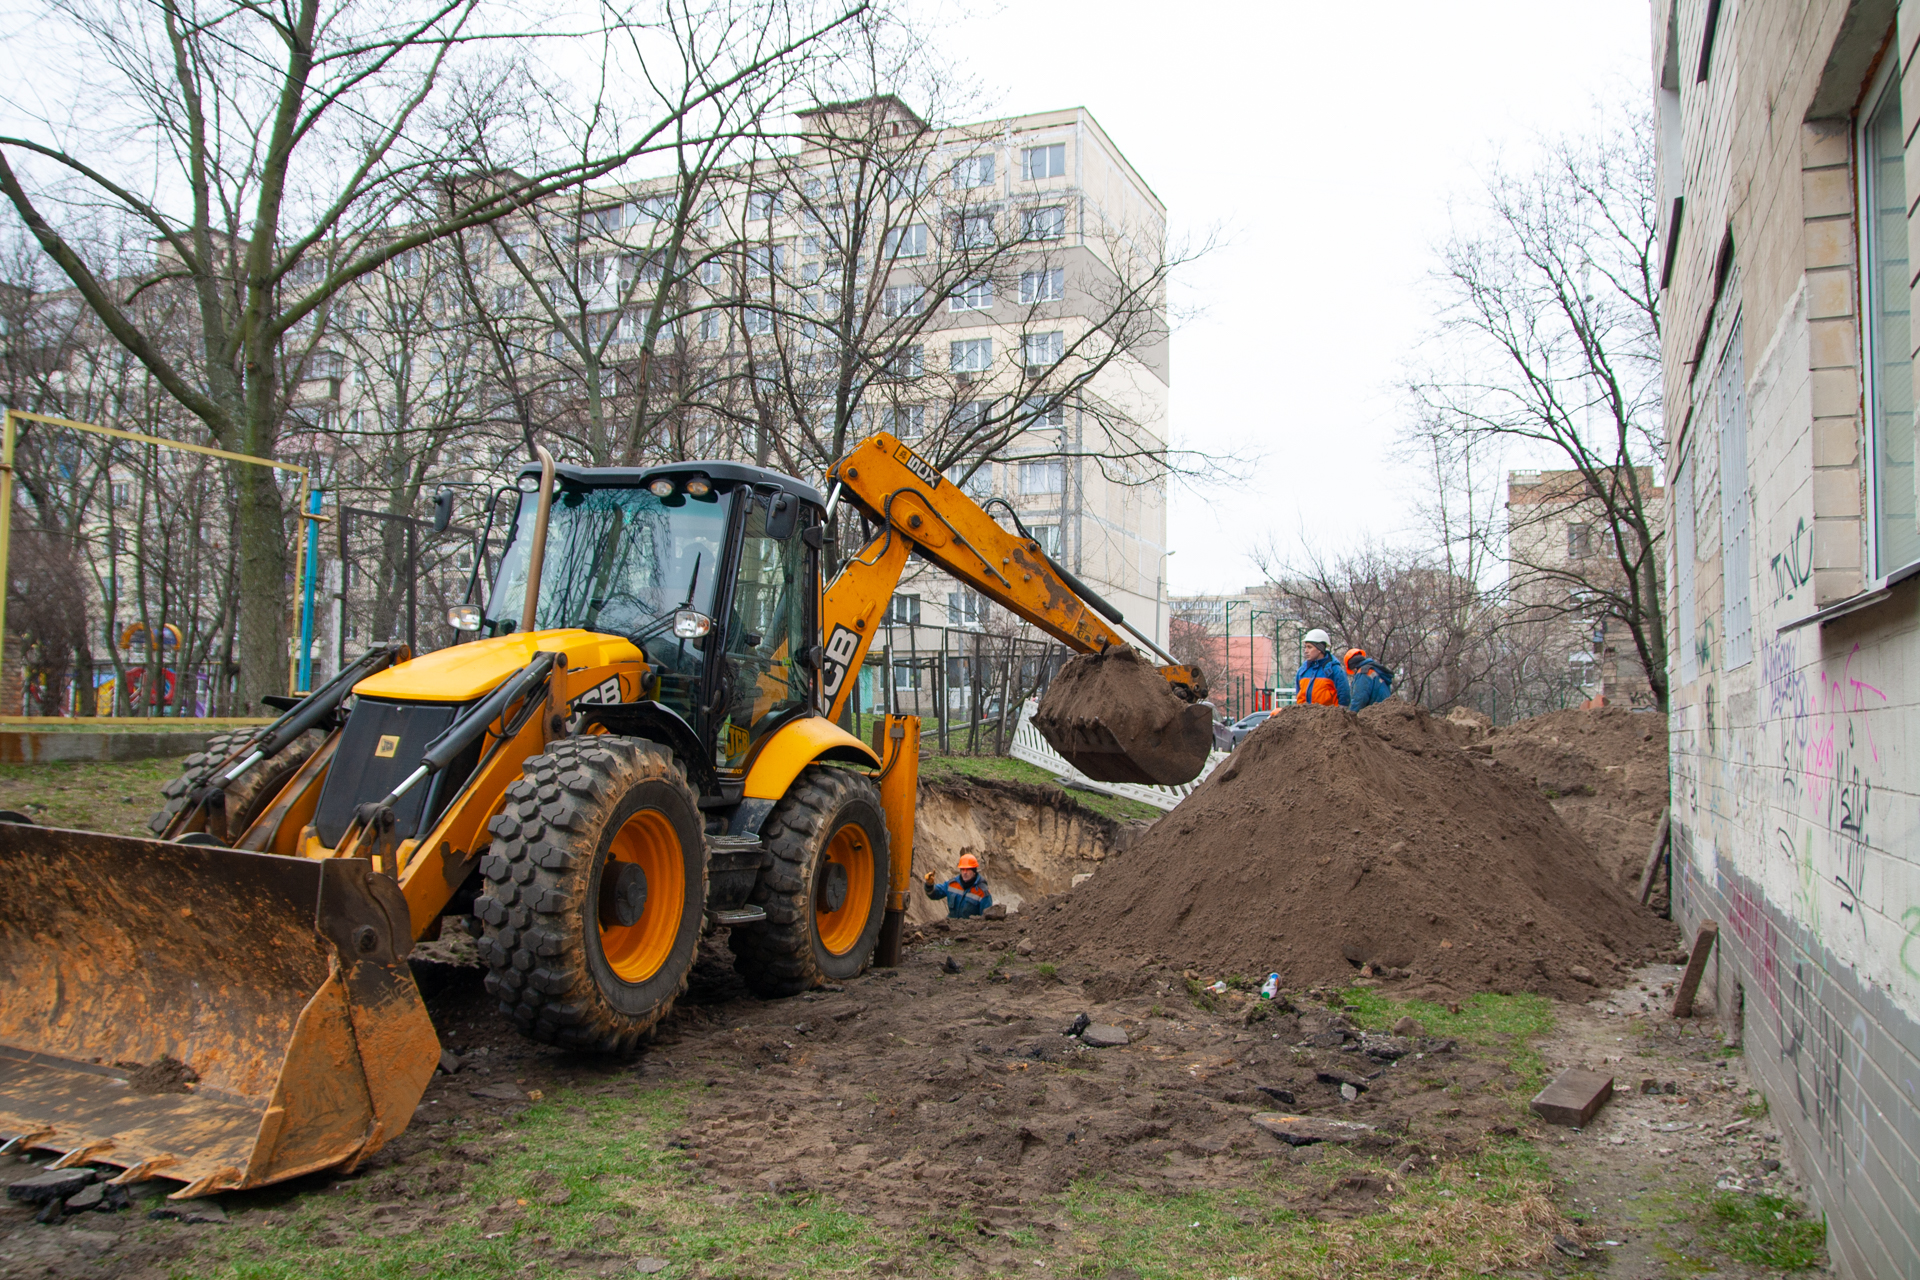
<point>250,793</point>
<point>595,893</point>
<point>825,893</point>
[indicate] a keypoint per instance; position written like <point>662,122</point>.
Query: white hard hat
<point>1319,637</point>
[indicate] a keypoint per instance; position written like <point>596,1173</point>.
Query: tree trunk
<point>264,585</point>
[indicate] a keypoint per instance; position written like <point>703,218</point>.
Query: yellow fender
<point>796,745</point>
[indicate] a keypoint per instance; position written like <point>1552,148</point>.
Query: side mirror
<point>783,511</point>
<point>464,617</point>
<point>442,510</point>
<point>689,624</point>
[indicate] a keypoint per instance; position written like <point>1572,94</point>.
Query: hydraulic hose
<point>316,706</point>
<point>469,728</point>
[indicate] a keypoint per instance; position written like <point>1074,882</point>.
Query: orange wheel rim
<point>840,930</point>
<point>637,951</point>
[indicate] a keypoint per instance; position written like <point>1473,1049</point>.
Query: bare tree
<point>1550,345</point>
<point>275,156</point>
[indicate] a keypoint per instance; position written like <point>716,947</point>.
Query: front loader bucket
<point>280,982</point>
<point>1120,749</point>
<point>1115,719</point>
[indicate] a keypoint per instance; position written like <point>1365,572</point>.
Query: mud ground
<point>912,1093</point>
<point>1640,1176</point>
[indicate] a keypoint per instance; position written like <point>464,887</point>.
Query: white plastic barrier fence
<point>1029,746</point>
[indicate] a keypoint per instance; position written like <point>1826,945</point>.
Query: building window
<point>710,326</point>
<point>902,300</point>
<point>907,242</point>
<point>978,486</point>
<point>660,208</point>
<point>974,231</point>
<point>1042,416</point>
<point>904,610</point>
<point>974,295</point>
<point>713,273</point>
<point>1889,356</point>
<point>710,216</point>
<point>1579,541</point>
<point>1043,286</point>
<point>965,608</point>
<point>765,259</point>
<point>907,362</point>
<point>906,420</point>
<point>1044,162</point>
<point>1038,350</point>
<point>974,171</point>
<point>1044,475</point>
<point>1048,536</point>
<point>972,355</point>
<point>905,675</point>
<point>1046,224</point>
<point>762,205</point>
<point>757,323</point>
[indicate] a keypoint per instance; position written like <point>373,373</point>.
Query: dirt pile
<point>1330,842</point>
<point>1116,719</point>
<point>1605,772</point>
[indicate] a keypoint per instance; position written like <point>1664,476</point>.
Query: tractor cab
<point>703,566</point>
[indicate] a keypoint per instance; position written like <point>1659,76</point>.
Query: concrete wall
<point>1795,747</point>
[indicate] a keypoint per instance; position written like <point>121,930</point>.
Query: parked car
<point>1246,725</point>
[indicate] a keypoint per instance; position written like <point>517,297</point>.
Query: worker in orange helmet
<point>1369,681</point>
<point>966,893</point>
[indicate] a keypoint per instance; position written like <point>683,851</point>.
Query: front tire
<point>595,892</point>
<point>825,893</point>
<point>248,795</point>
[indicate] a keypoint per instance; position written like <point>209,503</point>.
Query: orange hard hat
<point>969,863</point>
<point>1353,659</point>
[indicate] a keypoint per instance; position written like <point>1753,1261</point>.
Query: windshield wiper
<point>654,623</point>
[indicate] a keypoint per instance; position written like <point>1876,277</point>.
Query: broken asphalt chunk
<point>1100,1035</point>
<point>1301,1131</point>
<point>48,1185</point>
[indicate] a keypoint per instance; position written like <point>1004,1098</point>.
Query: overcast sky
<point>1327,142</point>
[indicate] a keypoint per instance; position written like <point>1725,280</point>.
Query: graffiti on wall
<point>1792,565</point>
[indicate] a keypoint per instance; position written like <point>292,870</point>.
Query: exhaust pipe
<point>537,554</point>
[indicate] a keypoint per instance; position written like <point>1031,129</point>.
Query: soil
<point>910,1093</point>
<point>1330,842</point>
<point>163,1075</point>
<point>1604,770</point>
<point>1116,719</point>
<point>1638,1175</point>
<point>1031,840</point>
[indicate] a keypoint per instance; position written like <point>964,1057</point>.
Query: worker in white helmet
<point>1321,679</point>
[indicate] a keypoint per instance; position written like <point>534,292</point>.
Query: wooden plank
<point>1661,839</point>
<point>1696,969</point>
<point>1572,1097</point>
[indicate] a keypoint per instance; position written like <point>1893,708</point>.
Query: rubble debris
<point>1101,1035</point>
<point>1301,1131</point>
<point>49,1185</point>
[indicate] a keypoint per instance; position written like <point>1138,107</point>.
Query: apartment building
<point>1787,175</point>
<point>1564,569</point>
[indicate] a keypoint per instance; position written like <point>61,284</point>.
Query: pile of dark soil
<point>1116,719</point>
<point>1605,772</point>
<point>1330,842</point>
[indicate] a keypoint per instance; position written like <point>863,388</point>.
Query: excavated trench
<point>1031,840</point>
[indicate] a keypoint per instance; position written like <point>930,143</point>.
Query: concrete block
<point>1832,343</point>
<point>30,747</point>
<point>1836,492</point>
<point>1572,1097</point>
<point>1829,243</point>
<point>1830,293</point>
<point>1836,392</point>
<point>1696,968</point>
<point>1836,545</point>
<point>1831,586</point>
<point>1825,142</point>
<point>1836,442</point>
<point>1826,193</point>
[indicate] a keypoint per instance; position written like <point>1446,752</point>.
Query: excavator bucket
<point>1115,718</point>
<point>222,1018</point>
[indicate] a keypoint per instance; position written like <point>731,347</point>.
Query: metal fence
<point>966,685</point>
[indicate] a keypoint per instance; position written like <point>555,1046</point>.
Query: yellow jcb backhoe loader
<point>639,744</point>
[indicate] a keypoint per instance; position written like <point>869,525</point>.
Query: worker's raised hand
<point>929,878</point>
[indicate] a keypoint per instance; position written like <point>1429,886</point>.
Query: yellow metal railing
<point>8,436</point>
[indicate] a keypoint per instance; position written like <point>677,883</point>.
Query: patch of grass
<point>111,795</point>
<point>1755,1108</point>
<point>1767,1231</point>
<point>1007,769</point>
<point>1487,1214</point>
<point>1504,1024</point>
<point>1047,970</point>
<point>626,1193</point>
